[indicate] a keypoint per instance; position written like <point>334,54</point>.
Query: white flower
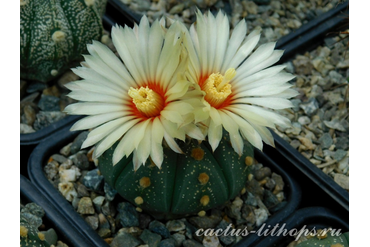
<point>138,102</point>
<point>238,83</point>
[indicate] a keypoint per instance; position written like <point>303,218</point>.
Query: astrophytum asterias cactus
<point>174,122</point>
<point>54,34</point>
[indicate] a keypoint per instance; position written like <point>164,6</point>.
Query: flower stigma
<point>218,88</point>
<point>148,102</point>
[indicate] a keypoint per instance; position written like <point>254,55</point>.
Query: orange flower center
<point>218,88</point>
<point>148,102</point>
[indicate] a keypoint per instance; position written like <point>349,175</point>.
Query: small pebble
<point>150,238</point>
<point>85,206</point>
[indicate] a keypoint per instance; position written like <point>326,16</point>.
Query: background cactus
<point>54,34</point>
<point>30,235</point>
<point>186,183</point>
<point>327,241</point>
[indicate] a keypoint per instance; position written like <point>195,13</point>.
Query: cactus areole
<point>54,34</point>
<point>185,184</point>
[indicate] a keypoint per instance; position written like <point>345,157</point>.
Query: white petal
<point>179,107</point>
<point>265,134</point>
<point>229,125</point>
<point>91,75</point>
<point>119,38</point>
<point>136,161</point>
<point>90,86</point>
<point>94,97</point>
<point>99,66</point>
<point>143,33</point>
<point>144,148</point>
<point>111,60</point>
<point>266,73</point>
<point>214,135</point>
<point>193,63</point>
<point>172,129</point>
<point>255,67</point>
<point>125,146</point>
<point>264,90</point>
<point>169,57</point>
<point>212,42</point>
<point>156,154</point>
<point>201,29</point>
<point>102,131</point>
<point>247,130</point>
<point>268,116</point>
<point>178,90</point>
<point>289,93</point>
<point>261,54</point>
<point>252,115</point>
<point>95,120</point>
<point>244,51</point>
<point>156,42</point>
<point>215,116</point>
<point>158,131</point>
<point>171,143</point>
<point>236,39</point>
<point>237,142</point>
<point>140,132</point>
<point>273,103</point>
<point>109,140</point>
<point>195,39</point>
<point>94,108</point>
<point>193,131</point>
<point>223,27</point>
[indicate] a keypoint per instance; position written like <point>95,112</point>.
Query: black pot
<point>332,195</point>
<point>311,34</point>
<point>42,152</point>
<point>53,218</point>
<point>306,218</point>
<point>35,166</point>
<point>29,141</point>
<point>303,39</point>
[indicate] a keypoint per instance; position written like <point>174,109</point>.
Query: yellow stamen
<point>148,102</point>
<point>217,87</point>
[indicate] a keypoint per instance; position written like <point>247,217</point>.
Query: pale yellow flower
<point>239,84</point>
<point>139,101</point>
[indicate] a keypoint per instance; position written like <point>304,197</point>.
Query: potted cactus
<point>174,130</point>
<point>173,90</point>
<point>162,129</point>
<point>326,239</point>
<point>37,211</point>
<point>310,226</point>
<point>53,35</point>
<point>40,157</point>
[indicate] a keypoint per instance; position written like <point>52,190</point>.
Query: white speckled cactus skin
<point>54,34</point>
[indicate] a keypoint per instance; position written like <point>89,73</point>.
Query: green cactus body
<point>330,241</point>
<point>30,235</point>
<point>186,183</point>
<point>54,34</point>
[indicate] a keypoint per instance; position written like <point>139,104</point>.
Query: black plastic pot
<point>29,141</point>
<point>306,218</point>
<point>53,218</point>
<point>309,35</point>
<point>121,13</point>
<point>300,163</point>
<point>35,166</point>
<point>303,39</point>
<point>45,149</point>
